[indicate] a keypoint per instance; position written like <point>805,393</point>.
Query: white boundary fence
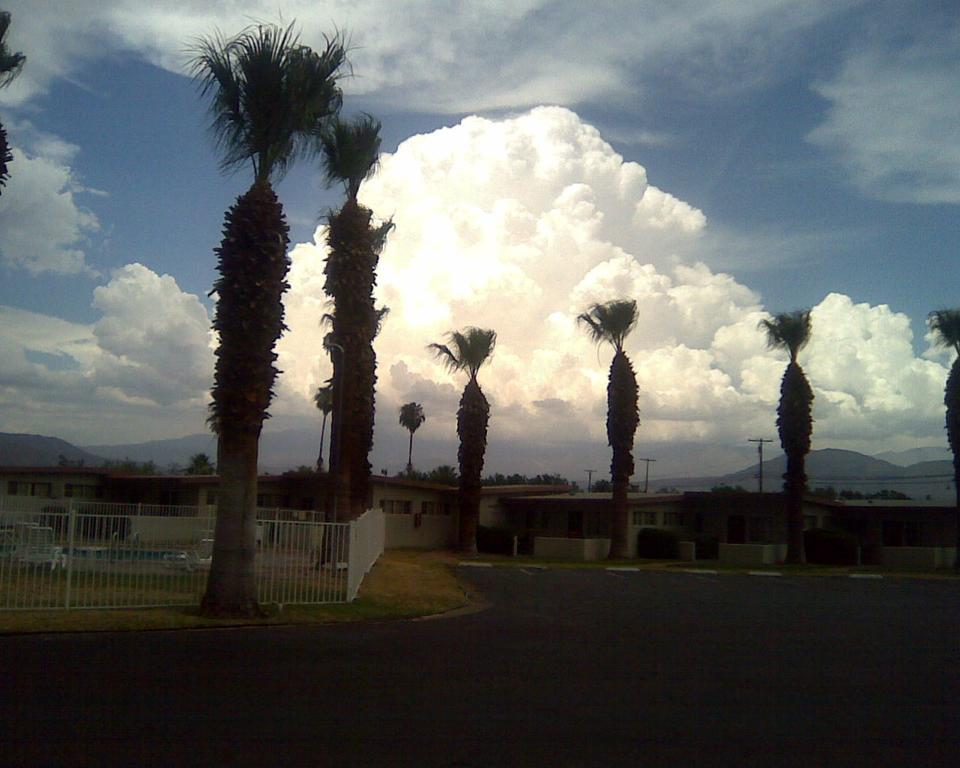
<point>61,554</point>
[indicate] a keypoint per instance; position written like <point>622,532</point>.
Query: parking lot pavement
<point>566,668</point>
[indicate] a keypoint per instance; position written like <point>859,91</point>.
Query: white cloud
<point>518,225</point>
<point>142,370</point>
<point>894,118</point>
<point>42,226</point>
<point>436,57</point>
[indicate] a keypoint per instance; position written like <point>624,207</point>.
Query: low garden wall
<point>752,554</point>
<point>920,558</point>
<point>570,549</point>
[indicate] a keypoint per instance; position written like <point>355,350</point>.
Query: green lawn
<point>402,584</point>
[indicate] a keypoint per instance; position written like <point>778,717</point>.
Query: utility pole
<point>589,478</point>
<point>646,475</point>
<point>759,441</point>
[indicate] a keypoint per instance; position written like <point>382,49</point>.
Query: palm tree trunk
<point>231,586</point>
<point>473,416</point>
<point>410,454</point>
<point>253,264</point>
<point>795,480</point>
<point>623,417</point>
<point>323,431</point>
<point>5,156</point>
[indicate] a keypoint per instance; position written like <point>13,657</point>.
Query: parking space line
<point>764,573</point>
<point>622,568</point>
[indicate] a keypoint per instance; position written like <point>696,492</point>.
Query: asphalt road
<point>565,668</point>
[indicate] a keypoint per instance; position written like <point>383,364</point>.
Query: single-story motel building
<point>547,521</point>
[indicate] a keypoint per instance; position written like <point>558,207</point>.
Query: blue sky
<point>806,150</point>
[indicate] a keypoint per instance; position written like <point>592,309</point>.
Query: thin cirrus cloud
<point>894,118</point>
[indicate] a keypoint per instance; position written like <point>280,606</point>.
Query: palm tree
<point>945,324</point>
<point>411,417</point>
<point>612,323</point>
<point>269,97</point>
<point>791,331</point>
<point>323,399</point>
<point>10,66</point>
<point>351,152</point>
<point>467,351</point>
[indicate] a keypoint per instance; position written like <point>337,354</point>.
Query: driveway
<point>565,668</point>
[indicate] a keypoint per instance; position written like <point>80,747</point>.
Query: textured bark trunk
<point>795,480</point>
<point>618,519</point>
<point>323,430</point>
<point>623,418</point>
<point>410,455</point>
<point>231,586</point>
<point>473,417</point>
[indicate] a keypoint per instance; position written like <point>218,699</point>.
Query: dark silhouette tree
<point>791,331</point>
<point>200,464</point>
<point>612,323</point>
<point>350,152</point>
<point>411,417</point>
<point>467,351</point>
<point>10,66</point>
<point>323,399</point>
<point>269,98</point>
<point>945,324</point>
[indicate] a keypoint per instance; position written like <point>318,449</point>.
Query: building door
<point>736,529</point>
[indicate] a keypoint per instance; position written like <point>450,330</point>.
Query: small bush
<point>828,547</point>
<point>657,543</point>
<point>708,547</point>
<point>495,541</point>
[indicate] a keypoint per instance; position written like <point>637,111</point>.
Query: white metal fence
<point>78,554</point>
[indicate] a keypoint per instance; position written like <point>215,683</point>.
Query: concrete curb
<point>764,573</point>
<point>865,575</point>
<point>468,564</point>
<point>622,569</point>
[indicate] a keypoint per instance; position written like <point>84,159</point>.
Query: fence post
<point>71,527</point>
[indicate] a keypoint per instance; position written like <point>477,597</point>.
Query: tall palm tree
<point>945,324</point>
<point>467,351</point>
<point>269,96</point>
<point>612,322</point>
<point>351,152</point>
<point>791,331</point>
<point>323,399</point>
<point>10,66</point>
<point>411,417</point>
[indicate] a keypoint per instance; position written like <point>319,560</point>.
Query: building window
<point>79,491</point>
<point>649,518</point>
<point>211,497</point>
<point>428,507</point>
<point>396,506</point>
<point>671,519</point>
<point>11,487</point>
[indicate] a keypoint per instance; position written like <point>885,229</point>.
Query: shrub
<point>657,543</point>
<point>708,547</point>
<point>828,547</point>
<point>495,541</point>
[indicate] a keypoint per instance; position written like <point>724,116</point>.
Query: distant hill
<point>841,470</point>
<point>163,453</point>
<point>19,450</point>
<point>915,456</point>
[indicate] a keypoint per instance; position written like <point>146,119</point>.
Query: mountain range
<point>920,473</point>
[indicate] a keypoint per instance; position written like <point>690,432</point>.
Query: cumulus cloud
<point>894,118</point>
<point>143,369</point>
<point>519,225</point>
<point>43,228</point>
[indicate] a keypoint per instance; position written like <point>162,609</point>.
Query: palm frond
<point>10,63</point>
<point>471,348</point>
<point>351,152</point>
<point>323,398</point>
<point>411,416</point>
<point>611,322</point>
<point>270,94</point>
<point>945,325</point>
<point>788,330</point>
